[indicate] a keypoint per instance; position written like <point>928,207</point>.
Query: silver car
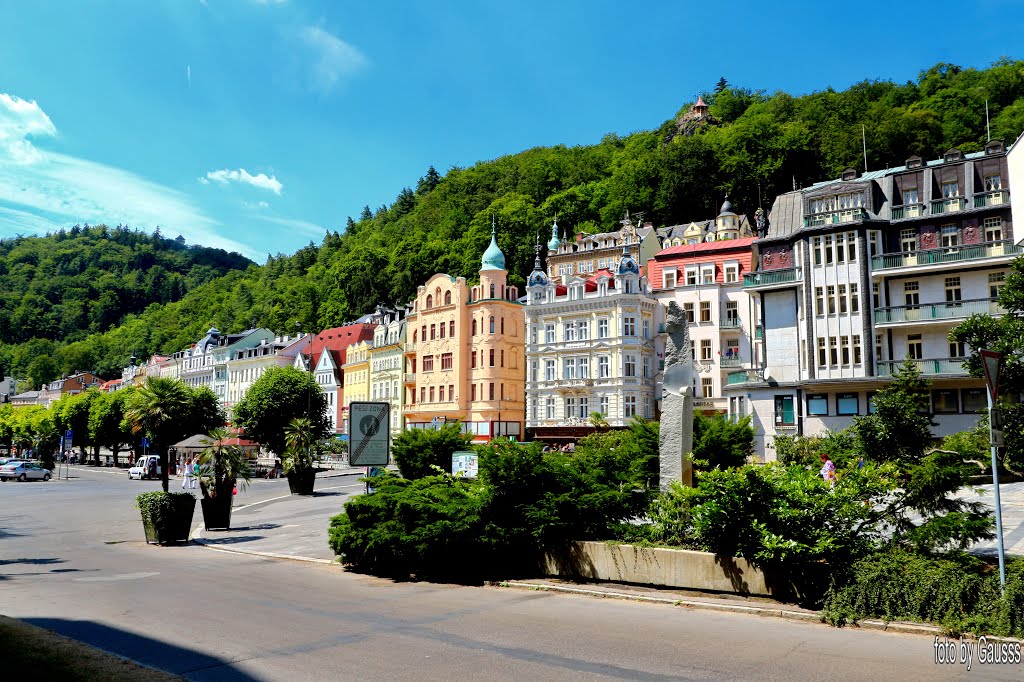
<point>24,471</point>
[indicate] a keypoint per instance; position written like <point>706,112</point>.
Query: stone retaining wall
<point>678,568</point>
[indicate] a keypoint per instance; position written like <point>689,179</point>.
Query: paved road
<point>72,559</point>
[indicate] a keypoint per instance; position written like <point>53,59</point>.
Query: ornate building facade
<point>590,348</point>
<point>464,353</point>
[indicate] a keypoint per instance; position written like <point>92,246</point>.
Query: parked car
<point>145,467</point>
<point>24,471</point>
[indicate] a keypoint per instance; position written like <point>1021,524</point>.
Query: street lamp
<point>309,391</point>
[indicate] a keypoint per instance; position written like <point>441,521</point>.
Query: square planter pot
<point>301,482</point>
<point>174,525</point>
<point>217,512</point>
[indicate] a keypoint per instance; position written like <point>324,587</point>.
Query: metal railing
<point>744,376</point>
<point>729,323</point>
<point>950,254</point>
<point>938,311</point>
<point>995,198</point>
<point>954,366</point>
<point>950,205</point>
<point>763,278</point>
<point>410,377</point>
<point>908,211</point>
<point>845,215</point>
<point>730,361</point>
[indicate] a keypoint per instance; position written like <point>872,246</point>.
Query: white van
<point>145,467</point>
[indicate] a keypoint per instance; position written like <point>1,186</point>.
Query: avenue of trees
<point>755,146</point>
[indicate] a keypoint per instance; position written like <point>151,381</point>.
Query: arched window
<point>492,289</point>
<point>503,325</point>
<point>474,326</point>
<point>430,301</point>
<point>414,336</point>
<point>492,324</point>
<point>447,298</point>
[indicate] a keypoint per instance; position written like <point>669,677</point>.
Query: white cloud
<point>260,180</point>
<point>333,59</point>
<point>42,190</point>
<point>304,226</point>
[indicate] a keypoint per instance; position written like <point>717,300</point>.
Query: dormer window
<point>952,156</point>
<point>915,162</point>
<point>849,174</point>
<point>994,147</point>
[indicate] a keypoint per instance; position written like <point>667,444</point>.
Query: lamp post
<point>309,391</point>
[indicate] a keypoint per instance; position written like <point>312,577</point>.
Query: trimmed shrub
<point>423,452</point>
<point>958,591</point>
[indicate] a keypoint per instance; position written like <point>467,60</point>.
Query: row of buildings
<point>796,318</point>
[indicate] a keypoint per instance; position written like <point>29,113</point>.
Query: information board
<point>369,427</point>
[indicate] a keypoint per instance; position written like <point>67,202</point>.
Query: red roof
<point>338,339</point>
<point>725,244</point>
<point>705,253</point>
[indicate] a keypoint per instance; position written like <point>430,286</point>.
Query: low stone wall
<point>678,568</point>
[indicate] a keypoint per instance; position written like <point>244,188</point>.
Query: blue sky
<point>254,125</point>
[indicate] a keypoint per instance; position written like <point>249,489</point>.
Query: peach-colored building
<point>464,353</point>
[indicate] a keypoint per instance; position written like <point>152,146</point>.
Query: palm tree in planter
<point>221,468</point>
<point>301,455</point>
<point>167,410</point>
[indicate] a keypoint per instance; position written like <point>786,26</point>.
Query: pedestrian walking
<point>188,474</point>
<point>828,470</point>
<point>195,472</point>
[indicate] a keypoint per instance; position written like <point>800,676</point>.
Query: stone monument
<point>676,439</point>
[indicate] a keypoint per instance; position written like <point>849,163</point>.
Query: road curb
<point>771,612</point>
<point>197,537</point>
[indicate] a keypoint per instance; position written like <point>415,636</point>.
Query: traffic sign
<point>993,363</point>
<point>369,427</point>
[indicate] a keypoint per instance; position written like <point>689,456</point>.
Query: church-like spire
<point>554,242</point>
<point>538,276</point>
<point>493,258</point>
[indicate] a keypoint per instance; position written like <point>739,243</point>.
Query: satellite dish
<point>678,378</point>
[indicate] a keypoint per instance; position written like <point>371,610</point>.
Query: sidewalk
<point>287,526</point>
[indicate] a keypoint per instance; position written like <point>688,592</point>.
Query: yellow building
<point>356,372</point>
<point>464,353</point>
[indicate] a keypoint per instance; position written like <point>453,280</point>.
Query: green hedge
<point>957,591</point>
<point>445,528</point>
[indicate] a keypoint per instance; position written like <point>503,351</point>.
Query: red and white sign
<point>993,363</point>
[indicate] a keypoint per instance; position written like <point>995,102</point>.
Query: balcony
<point>846,215</point>
<point>950,205</point>
<point>938,311</point>
<point>908,211</point>
<point>726,362</point>
<point>410,377</point>
<point>952,254</point>
<point>729,323</point>
<point>933,366</point>
<point>744,376</point>
<point>997,198</point>
<point>763,279</point>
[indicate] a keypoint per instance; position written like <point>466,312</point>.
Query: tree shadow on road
<point>235,540</point>
<point>145,650</point>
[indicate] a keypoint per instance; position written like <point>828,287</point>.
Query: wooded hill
<point>755,145</point>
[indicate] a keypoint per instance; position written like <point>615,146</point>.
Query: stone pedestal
<point>676,438</point>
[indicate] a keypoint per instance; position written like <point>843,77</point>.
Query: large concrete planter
<point>679,568</point>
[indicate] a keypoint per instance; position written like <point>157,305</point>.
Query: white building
<point>702,269</point>
<point>590,348</point>
<point>860,273</point>
<point>387,365</point>
<point>246,365</point>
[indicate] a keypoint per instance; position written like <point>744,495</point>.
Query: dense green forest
<point>754,146</point>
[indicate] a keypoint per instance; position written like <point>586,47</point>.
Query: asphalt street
<point>73,559</point>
